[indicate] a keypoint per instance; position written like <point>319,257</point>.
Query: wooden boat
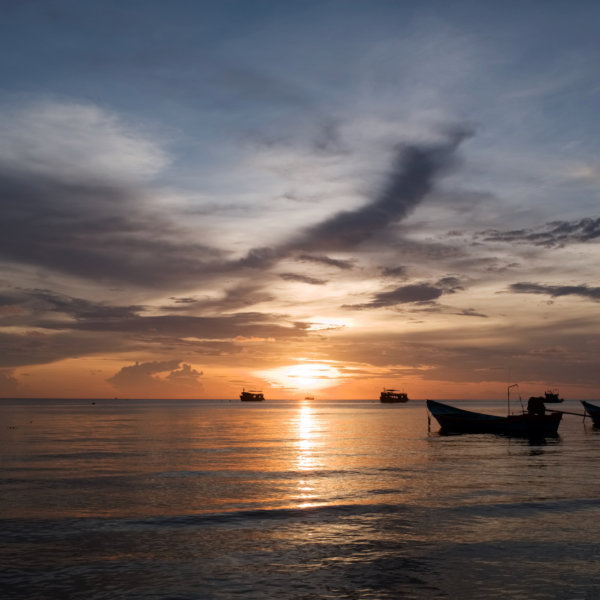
<point>251,396</point>
<point>549,397</point>
<point>457,420</point>
<point>593,411</point>
<point>389,395</point>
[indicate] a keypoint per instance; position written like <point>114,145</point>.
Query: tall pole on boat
<point>508,397</point>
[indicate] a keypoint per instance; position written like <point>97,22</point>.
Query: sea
<point>218,499</point>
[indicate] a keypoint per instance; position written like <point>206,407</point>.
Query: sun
<point>308,376</point>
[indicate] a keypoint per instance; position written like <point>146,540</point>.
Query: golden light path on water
<point>306,459</point>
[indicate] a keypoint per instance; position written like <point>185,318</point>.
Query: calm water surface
<point>290,500</point>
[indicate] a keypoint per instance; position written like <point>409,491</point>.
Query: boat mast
<point>508,397</point>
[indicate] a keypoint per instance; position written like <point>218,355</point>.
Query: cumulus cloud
<point>145,378</point>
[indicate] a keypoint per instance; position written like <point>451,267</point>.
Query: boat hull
<point>389,396</point>
<point>456,420</point>
<point>593,411</point>
<point>251,397</point>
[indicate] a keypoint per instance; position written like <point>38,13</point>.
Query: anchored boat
<point>251,396</point>
<point>389,395</point>
<point>526,424</point>
<point>593,411</point>
<point>549,397</point>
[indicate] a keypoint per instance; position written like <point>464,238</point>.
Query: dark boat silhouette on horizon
<point>251,396</point>
<point>549,397</point>
<point>390,395</point>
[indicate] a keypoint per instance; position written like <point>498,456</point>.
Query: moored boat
<point>389,395</point>
<point>593,411</point>
<point>549,397</point>
<point>457,420</point>
<point>251,396</point>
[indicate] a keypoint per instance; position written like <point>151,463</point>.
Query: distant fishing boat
<point>390,395</point>
<point>309,397</point>
<point>549,397</point>
<point>252,396</point>
<point>457,420</point>
<point>593,411</point>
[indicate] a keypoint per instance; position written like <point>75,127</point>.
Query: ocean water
<point>290,500</point>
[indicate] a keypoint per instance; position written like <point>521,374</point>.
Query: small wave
<point>24,528</point>
<point>566,505</point>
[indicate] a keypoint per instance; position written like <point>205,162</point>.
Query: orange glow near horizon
<point>309,376</point>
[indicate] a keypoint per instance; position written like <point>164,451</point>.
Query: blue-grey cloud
<point>552,234</point>
<point>97,232</point>
<point>413,175</point>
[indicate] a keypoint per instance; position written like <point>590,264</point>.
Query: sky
<point>306,197</point>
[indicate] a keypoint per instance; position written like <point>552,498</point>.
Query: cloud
<point>47,327</point>
<point>414,172</point>
<point>400,272</point>
<point>413,175</point>
<point>406,294</point>
<point>554,291</point>
<point>97,232</point>
<point>471,312</point>
<point>552,234</point>
<point>235,298</point>
<point>450,285</point>
<point>326,260</point>
<point>75,141</point>
<point>302,278</point>
<point>73,189</point>
<point>9,385</point>
<point>145,378</point>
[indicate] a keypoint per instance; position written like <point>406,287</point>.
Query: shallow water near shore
<point>284,499</point>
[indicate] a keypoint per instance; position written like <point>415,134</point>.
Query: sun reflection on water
<point>306,459</point>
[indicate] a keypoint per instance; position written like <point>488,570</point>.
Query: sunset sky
<point>304,197</point>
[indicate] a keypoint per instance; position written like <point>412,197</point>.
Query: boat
<point>389,395</point>
<point>593,411</point>
<point>252,396</point>
<point>549,397</point>
<point>457,420</point>
<point>309,397</point>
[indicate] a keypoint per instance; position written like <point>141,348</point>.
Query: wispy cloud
<point>551,235</point>
<point>555,291</point>
<point>302,278</point>
<point>406,294</point>
<point>414,172</point>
